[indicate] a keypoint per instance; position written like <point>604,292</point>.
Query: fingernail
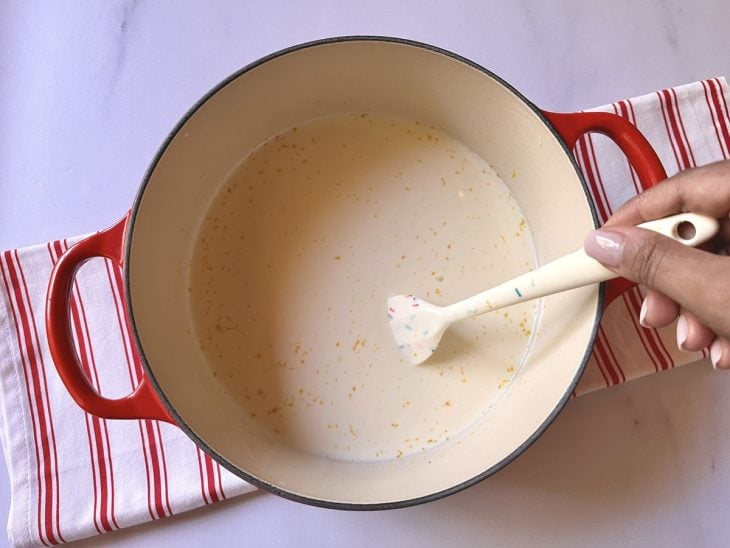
<point>605,246</point>
<point>642,313</point>
<point>715,353</point>
<point>681,332</point>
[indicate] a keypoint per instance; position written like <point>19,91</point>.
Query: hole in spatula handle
<point>686,230</point>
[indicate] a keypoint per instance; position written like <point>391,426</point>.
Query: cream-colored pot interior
<point>364,427</point>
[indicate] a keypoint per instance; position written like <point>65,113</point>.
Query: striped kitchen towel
<point>73,475</point>
<point>688,126</point>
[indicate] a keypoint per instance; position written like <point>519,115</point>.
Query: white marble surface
<point>89,89</point>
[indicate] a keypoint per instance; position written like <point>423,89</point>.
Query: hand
<point>692,284</point>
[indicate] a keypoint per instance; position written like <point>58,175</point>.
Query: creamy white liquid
<point>301,248</point>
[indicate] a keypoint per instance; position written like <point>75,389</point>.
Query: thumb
<point>683,273</point>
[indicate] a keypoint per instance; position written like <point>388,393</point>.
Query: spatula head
<point>417,326</point>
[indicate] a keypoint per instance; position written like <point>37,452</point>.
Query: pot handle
<point>143,402</point>
<point>641,156</point>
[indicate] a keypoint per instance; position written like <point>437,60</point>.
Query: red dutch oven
<point>309,401</point>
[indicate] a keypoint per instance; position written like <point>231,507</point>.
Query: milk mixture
<point>300,250</point>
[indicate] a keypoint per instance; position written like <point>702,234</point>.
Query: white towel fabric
<point>73,475</point>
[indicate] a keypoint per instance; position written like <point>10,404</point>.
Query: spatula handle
<point>578,269</point>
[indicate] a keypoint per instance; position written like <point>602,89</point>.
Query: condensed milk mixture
<point>299,251</point>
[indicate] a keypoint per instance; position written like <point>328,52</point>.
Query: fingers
<point>696,280</point>
<point>657,310</point>
<point>692,335</point>
<point>720,353</point>
<point>691,283</point>
<point>701,190</point>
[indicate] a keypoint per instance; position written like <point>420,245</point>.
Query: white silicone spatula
<point>418,325</point>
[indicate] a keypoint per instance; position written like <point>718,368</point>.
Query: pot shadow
<point>622,452</point>
<point>137,533</point>
<point>607,464</point>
